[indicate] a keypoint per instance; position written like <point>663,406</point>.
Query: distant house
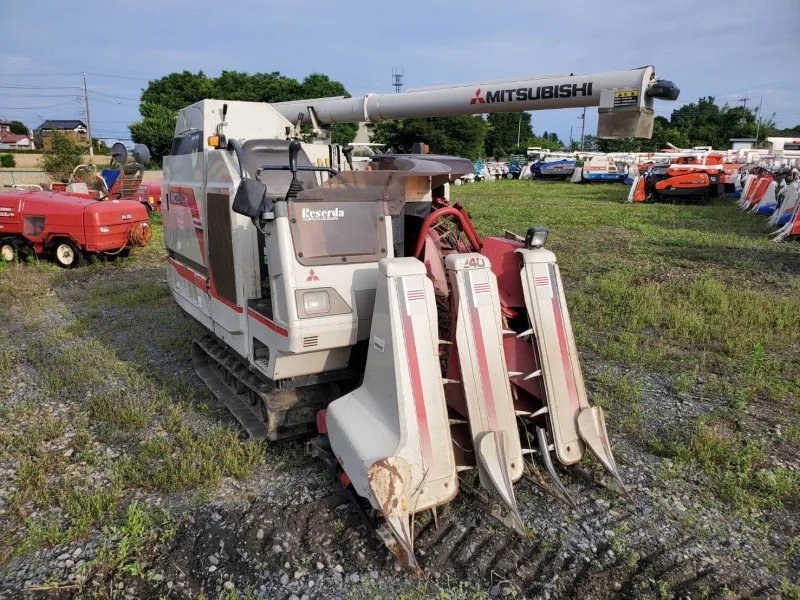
<point>73,129</point>
<point>5,127</point>
<point>743,143</point>
<point>12,141</point>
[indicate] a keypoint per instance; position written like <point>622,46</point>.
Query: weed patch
<point>737,467</point>
<point>188,460</point>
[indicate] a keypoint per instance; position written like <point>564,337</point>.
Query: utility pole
<point>744,105</point>
<point>758,122</point>
<point>583,126</point>
<point>88,118</point>
<point>570,137</point>
<point>519,128</point>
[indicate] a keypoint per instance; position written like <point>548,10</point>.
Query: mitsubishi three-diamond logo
<point>477,99</point>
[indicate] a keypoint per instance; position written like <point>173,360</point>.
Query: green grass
<point>121,295</point>
<point>73,332</point>
<point>736,466</point>
<point>696,294</point>
<point>186,460</point>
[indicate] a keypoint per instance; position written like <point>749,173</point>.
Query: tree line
<point>701,123</point>
<point>163,98</point>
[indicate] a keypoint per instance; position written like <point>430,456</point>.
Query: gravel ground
<point>280,531</point>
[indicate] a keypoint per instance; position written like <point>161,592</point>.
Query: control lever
<point>295,187</point>
<point>348,156</point>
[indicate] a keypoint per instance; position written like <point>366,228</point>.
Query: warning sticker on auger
<point>626,98</point>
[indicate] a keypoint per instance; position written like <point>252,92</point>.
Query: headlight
<point>104,230</point>
<point>536,237</point>
<point>316,303</point>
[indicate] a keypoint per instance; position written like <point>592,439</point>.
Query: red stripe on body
<point>200,282</point>
<point>267,323</point>
<point>483,363</point>
<point>190,275</point>
<point>416,388</point>
<point>225,301</point>
<point>562,345</point>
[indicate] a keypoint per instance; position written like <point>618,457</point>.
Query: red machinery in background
<point>68,227</point>
<point>687,178</point>
<point>71,224</point>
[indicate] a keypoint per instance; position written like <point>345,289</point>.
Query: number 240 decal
<point>473,263</point>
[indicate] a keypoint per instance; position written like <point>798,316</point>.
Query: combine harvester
<point>599,169</point>
<point>774,193</point>
<point>556,166</point>
<point>363,308</point>
<point>686,177</point>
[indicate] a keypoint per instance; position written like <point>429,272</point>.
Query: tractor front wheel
<point>67,254</point>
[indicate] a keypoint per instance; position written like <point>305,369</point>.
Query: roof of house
<point>11,138</point>
<point>742,139</point>
<point>61,124</point>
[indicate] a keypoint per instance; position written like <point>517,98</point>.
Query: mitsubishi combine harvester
<point>363,310</point>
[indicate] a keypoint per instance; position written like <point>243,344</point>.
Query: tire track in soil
<point>466,545</point>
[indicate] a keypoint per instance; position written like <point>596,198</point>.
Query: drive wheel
<point>7,252</point>
<point>67,254</point>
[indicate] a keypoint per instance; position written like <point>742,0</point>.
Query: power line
<point>116,102</point>
<point>33,107</point>
<point>15,95</point>
<point>51,74</point>
<point>39,87</point>
<point>119,76</point>
<point>95,92</point>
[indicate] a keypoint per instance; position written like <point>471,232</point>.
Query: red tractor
<point>70,224</point>
<point>69,227</point>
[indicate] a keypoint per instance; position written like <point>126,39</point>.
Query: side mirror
<point>250,198</point>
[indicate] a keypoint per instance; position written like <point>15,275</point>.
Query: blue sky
<point>725,49</point>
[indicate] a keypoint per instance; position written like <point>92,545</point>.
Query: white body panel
<point>562,379</point>
<point>484,375</point>
<point>197,175</point>
<point>399,410</point>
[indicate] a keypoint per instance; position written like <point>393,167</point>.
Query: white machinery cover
<point>393,433</point>
<point>573,421</point>
<point>484,375</point>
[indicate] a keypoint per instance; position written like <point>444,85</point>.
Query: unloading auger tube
<point>625,100</point>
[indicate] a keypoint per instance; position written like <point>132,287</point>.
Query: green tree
<point>506,131</point>
<point>18,128</point>
<point>155,130</point>
<point>787,132</point>
<point>705,123</point>
<point>318,85</point>
<point>458,136</point>
<point>178,90</point>
<point>62,158</point>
